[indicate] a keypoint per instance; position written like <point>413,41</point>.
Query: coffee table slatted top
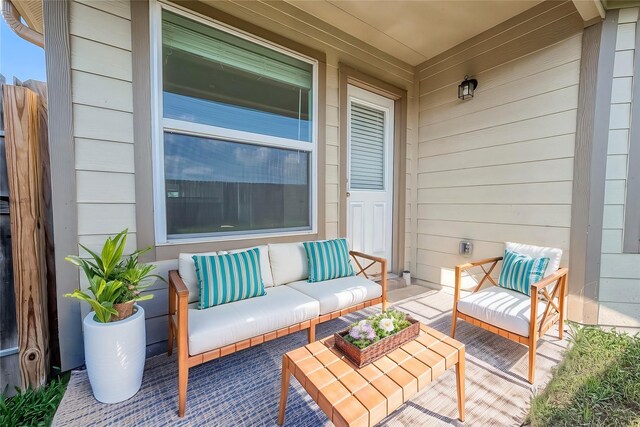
<point>352,396</point>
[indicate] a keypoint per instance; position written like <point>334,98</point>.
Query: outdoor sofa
<point>291,304</point>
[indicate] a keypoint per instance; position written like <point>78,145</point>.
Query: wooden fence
<point>27,344</point>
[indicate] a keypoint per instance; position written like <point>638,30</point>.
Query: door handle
<point>348,194</point>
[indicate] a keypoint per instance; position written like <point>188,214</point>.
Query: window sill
<point>238,237</point>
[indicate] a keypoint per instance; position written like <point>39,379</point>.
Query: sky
<point>19,58</point>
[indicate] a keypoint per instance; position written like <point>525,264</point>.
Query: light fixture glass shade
<point>467,87</point>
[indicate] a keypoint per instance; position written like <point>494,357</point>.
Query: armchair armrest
<point>550,279</point>
<point>383,271</point>
<point>367,256</point>
<point>468,265</point>
<point>462,267</point>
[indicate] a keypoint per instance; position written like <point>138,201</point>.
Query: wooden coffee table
<point>352,396</point>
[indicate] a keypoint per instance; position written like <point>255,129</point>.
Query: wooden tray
<point>379,349</point>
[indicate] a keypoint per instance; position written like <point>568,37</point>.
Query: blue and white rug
<point>243,389</point>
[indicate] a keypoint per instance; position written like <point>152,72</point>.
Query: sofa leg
<point>312,333</point>
<point>170,341</point>
<point>183,379</point>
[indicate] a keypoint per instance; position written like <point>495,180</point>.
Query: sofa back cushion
<point>265,264</point>
<point>288,262</point>
<point>554,254</point>
<point>228,278</point>
<point>328,259</point>
<point>520,271</point>
<point>187,271</point>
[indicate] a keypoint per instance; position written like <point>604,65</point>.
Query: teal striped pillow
<point>328,259</point>
<point>520,271</point>
<point>228,278</point>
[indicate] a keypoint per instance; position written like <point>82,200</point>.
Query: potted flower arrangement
<point>372,338</point>
<point>114,331</point>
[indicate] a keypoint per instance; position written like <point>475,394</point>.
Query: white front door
<point>370,124</point>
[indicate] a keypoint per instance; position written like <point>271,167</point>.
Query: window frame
<point>161,124</point>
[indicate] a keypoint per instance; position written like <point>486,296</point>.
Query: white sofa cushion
<point>265,265</point>
<point>288,262</point>
<point>340,293</point>
<point>554,254</point>
<point>187,271</point>
<point>504,308</point>
<point>226,324</point>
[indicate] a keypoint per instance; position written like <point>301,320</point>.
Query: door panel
<point>370,124</point>
<point>355,226</point>
<point>379,224</point>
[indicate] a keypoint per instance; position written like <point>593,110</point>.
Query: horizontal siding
<point>101,123</point>
<point>105,156</point>
<point>619,291</point>
<point>100,59</point>
<point>107,92</point>
<point>94,24</point>
<point>498,167</point>
<point>548,215</point>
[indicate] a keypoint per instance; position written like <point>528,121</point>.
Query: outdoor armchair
<point>513,315</point>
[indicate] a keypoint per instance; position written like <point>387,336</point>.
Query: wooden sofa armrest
<point>178,315</point>
<point>176,282</point>
<point>383,271</point>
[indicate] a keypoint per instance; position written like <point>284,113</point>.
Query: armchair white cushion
<point>554,254</point>
<point>501,307</point>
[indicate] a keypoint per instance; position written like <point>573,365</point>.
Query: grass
<point>33,408</point>
<point>597,383</point>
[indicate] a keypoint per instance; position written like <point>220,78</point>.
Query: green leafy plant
<point>133,275</point>
<point>104,297</point>
<point>107,263</point>
<point>33,407</point>
<point>112,278</point>
<point>376,327</point>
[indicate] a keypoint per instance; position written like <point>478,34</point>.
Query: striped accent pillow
<point>520,271</point>
<point>328,259</point>
<point>228,278</point>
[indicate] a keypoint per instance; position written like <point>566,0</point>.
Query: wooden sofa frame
<point>539,291</point>
<point>179,328</point>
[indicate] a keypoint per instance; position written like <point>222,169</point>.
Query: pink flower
<point>131,287</point>
<point>136,292</point>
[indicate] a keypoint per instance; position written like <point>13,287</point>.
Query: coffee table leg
<point>460,382</point>
<point>284,390</point>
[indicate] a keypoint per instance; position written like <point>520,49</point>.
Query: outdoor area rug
<point>243,389</point>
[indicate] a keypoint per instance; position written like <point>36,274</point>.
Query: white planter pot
<point>114,354</point>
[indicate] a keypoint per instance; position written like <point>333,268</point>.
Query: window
<point>235,146</point>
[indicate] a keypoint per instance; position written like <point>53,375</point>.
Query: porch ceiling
<point>414,31</point>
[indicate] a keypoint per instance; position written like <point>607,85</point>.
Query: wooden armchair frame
<point>179,324</point>
<point>549,289</point>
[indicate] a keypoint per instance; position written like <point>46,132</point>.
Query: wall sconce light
<point>467,87</point>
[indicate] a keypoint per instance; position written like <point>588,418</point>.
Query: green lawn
<point>597,383</point>
<point>33,408</point>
